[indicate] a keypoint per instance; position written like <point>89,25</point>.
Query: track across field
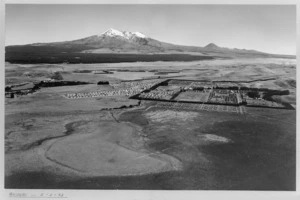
<point>207,107</point>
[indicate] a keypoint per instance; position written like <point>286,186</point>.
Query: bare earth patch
<point>94,149</point>
<point>170,115</point>
<point>214,138</point>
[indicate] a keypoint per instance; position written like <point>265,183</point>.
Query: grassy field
<point>193,96</point>
<point>51,100</point>
<point>121,143</point>
<point>105,149</point>
<point>254,151</point>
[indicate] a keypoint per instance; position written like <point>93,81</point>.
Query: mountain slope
<point>125,44</point>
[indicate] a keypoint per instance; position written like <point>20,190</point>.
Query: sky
<point>267,28</point>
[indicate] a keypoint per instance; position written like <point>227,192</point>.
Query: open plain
<point>106,140</point>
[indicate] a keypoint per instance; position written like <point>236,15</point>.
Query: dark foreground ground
<point>219,151</point>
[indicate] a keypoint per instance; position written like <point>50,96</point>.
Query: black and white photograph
<point>150,97</point>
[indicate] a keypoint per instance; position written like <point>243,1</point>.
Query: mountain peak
<point>112,32</point>
<point>125,34</point>
<point>211,46</point>
<point>138,34</point>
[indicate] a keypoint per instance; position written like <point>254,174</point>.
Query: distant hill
<point>117,46</point>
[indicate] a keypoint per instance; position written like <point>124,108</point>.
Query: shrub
<point>103,83</point>
<point>253,94</point>
<point>7,89</point>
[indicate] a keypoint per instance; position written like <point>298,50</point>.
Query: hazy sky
<point>266,28</point>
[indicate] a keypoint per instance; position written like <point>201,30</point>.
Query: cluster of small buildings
<point>222,93</point>
<point>223,96</point>
<point>159,94</point>
<point>262,102</point>
<point>198,85</point>
<point>226,97</point>
<point>123,92</point>
<point>129,88</point>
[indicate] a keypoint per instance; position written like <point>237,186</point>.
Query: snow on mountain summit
<point>139,34</point>
<point>125,34</point>
<point>113,32</point>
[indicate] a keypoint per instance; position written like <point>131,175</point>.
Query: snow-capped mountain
<point>125,34</point>
<point>112,33</point>
<point>113,41</point>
